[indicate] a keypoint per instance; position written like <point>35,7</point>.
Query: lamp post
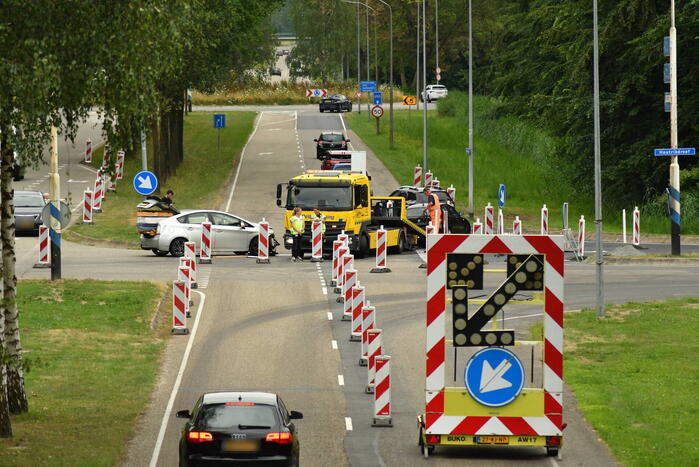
<point>359,77</point>
<point>598,171</point>
<point>424,89</point>
<point>390,90</point>
<point>470,111</point>
<point>674,163</point>
<point>417,61</point>
<point>436,38</point>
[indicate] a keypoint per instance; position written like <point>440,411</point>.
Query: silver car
<point>28,207</point>
<point>230,234</point>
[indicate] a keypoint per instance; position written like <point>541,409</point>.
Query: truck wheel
<point>400,248</point>
<point>177,247</point>
<point>363,247</point>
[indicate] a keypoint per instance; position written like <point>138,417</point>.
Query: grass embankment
<point>198,183</point>
<point>507,150</point>
<point>635,375</point>
<point>94,359</point>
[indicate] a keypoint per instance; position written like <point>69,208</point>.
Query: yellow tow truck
<point>346,201</point>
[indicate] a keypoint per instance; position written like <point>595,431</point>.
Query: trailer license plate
<point>492,440</point>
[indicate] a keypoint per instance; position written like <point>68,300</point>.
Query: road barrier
<point>263,242</point>
<point>317,241</point>
<point>477,226</point>
<point>368,322</point>
<point>501,222</point>
<point>428,179</point>
<point>435,183</point>
<point>374,349</point>
<point>516,226</point>
<point>120,165</point>
<point>190,252</point>
<point>417,178</point>
<point>348,283</point>
<point>544,220</point>
<point>88,151</point>
<point>489,219</point>
<point>581,237</point>
<point>636,237</point>
<point>341,252</point>
<point>105,156</point>
<point>451,191</point>
<point>43,248</point>
<point>205,251</point>
<point>382,392</point>
<point>183,275</point>
<point>97,195</point>
<point>87,207</point>
<point>336,248</point>
<point>346,262</point>
<point>180,307</point>
<point>380,252</point>
<point>357,305</point>
<point>430,229</point>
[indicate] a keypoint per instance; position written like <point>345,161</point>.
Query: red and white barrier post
<point>477,227</point>
<point>205,250</point>
<point>183,275</point>
<point>435,183</point>
<point>97,195</point>
<point>263,242</point>
<point>417,178</point>
<point>121,155</point>
<point>106,152</point>
<point>581,236</point>
<point>190,252</point>
<point>180,305</point>
<point>333,276</point>
<point>317,241</point>
<point>382,392</point>
<point>357,305</point>
<point>88,151</point>
<point>341,253</point>
<point>489,220</point>
<point>374,349</point>
<point>544,220</point>
<point>430,229</point>
<point>347,262</point>
<point>348,284</point>
<point>368,322</point>
<point>43,248</point>
<point>381,252</point>
<point>623,224</point>
<point>516,226</point>
<point>451,191</point>
<point>428,179</point>
<point>87,207</point>
<point>501,222</point>
<point>636,238</point>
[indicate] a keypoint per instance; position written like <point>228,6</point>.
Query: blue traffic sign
<point>145,182</point>
<point>219,120</point>
<point>494,376</point>
<point>378,98</point>
<point>676,152</point>
<point>367,86</point>
<point>501,196</point>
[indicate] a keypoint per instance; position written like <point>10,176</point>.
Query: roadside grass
<point>199,182</point>
<point>635,375</point>
<point>93,362</point>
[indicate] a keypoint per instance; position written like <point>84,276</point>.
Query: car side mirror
<point>294,415</point>
<point>184,414</point>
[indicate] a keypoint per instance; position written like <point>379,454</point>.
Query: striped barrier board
<point>477,226</point>
<point>336,258</point>
<point>380,252</point>
<point>636,235</point>
<point>348,283</point>
<point>357,306</point>
<point>190,252</point>
<point>544,220</point>
<point>317,241</point>
<point>417,177</point>
<point>179,308</point>
<point>87,207</point>
<point>368,322</point>
<point>205,251</point>
<point>489,220</point>
<point>263,243</point>
<point>88,151</point>
<point>374,349</point>
<point>382,392</point>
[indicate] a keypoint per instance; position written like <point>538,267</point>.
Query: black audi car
<point>330,141</point>
<point>335,103</point>
<point>239,428</point>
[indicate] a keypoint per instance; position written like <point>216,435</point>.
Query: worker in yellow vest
<point>297,224</point>
<point>434,209</point>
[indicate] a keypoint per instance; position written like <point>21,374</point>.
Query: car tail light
<point>343,143</point>
<point>432,439</point>
<point>199,437</point>
<point>553,441</point>
<point>279,438</point>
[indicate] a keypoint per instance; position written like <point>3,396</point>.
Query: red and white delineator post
<point>417,178</point>
<point>190,252</point>
<point>317,241</point>
<point>382,392</point>
<point>374,349</point>
<point>183,275</point>
<point>428,179</point>
<point>429,230</point>
<point>346,262</point>
<point>88,151</point>
<point>336,258</point>
<point>544,220</point>
<point>179,307</point>
<point>43,248</point>
<point>435,183</point>
<point>97,195</point>
<point>87,207</point>
<point>477,227</point>
<point>348,283</point>
<point>501,222</point>
<point>121,155</point>
<point>205,250</point>
<point>106,152</point>
<point>368,323</point>
<point>452,415</point>
<point>451,191</point>
<point>489,220</point>
<point>636,236</point>
<point>340,269</point>
<point>517,226</point>
<point>381,249</point>
<point>357,305</point>
<point>263,242</point>
<point>581,236</point>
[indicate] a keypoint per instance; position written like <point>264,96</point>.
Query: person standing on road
<point>434,209</point>
<point>297,224</point>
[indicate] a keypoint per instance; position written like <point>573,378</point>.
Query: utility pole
<point>144,151</point>
<point>674,162</point>
<point>390,91</point>
<point>417,61</point>
<point>598,170</point>
<point>436,38</point>
<point>368,69</point>
<point>55,209</point>
<point>424,87</point>
<point>470,112</point>
<point>359,76</point>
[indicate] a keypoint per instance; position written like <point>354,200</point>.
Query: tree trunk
<point>5,421</point>
<point>16,396</point>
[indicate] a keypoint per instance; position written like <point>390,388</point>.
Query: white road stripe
<point>333,343</point>
<point>348,423</point>
<point>240,162</point>
<point>325,290</point>
<point>330,316</point>
<point>340,380</point>
<point>342,120</point>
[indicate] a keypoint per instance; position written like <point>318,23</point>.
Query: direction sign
<point>377,111</point>
<point>63,219</point>
<point>409,100</point>
<point>494,376</point>
<point>219,120</point>
<point>501,196</point>
<point>676,152</point>
<point>145,182</point>
<point>316,92</point>
<point>367,86</point>
<point>378,98</point>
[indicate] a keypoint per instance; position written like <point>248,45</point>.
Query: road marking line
<point>240,162</point>
<point>340,380</point>
<point>348,423</point>
<point>330,316</point>
<point>273,129</point>
<point>333,343</point>
<point>264,153</point>
<point>325,290</point>
<point>178,381</point>
<point>344,128</point>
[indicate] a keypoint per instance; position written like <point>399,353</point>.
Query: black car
<point>233,428</point>
<point>275,71</point>
<point>458,224</point>
<point>330,141</point>
<point>335,103</point>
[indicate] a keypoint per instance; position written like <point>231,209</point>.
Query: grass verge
<point>94,359</point>
<point>198,183</point>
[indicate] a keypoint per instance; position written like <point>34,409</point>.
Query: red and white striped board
<point>346,262</point>
<point>336,259</point>
<point>381,266</point>
<point>489,220</point>
<point>435,183</point>
<point>97,195</point>
<point>190,252</point>
<point>368,322</point>
<point>88,151</point>
<point>581,236</point>
<point>477,227</point>
<point>517,226</point>
<point>636,236</point>
<point>180,304</point>
<point>121,156</point>
<point>357,305</point>
<point>451,191</point>
<point>205,250</point>
<point>106,152</point>
<point>340,268</point>
<point>374,349</point>
<point>263,242</point>
<point>417,177</point>
<point>87,207</point>
<point>348,283</point>
<point>382,392</point>
<point>437,420</point>
<point>428,179</point>
<point>544,220</point>
<point>183,275</point>
<point>43,248</point>
<point>316,241</point>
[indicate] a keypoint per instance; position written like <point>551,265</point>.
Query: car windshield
<point>332,137</point>
<point>236,415</point>
<point>28,200</point>
<point>319,196</point>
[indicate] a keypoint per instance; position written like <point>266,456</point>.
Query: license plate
<point>492,440</point>
<point>239,445</point>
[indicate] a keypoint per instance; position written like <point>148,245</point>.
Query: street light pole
<point>417,60</point>
<point>424,88</point>
<point>436,38</point>
<point>470,112</point>
<point>598,171</point>
<point>390,91</point>
<point>674,163</point>
<point>368,70</point>
<point>359,77</point>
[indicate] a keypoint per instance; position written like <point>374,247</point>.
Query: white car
<point>230,234</point>
<point>434,92</point>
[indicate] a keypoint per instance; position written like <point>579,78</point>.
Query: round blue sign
<point>494,376</point>
<point>145,182</point>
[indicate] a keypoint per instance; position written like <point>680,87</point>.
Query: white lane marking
<point>296,121</point>
<point>88,168</point>
<point>333,343</point>
<point>273,129</point>
<point>344,128</point>
<point>348,423</point>
<point>178,381</point>
<point>264,153</point>
<point>340,380</point>
<point>553,460</point>
<point>330,316</point>
<point>240,162</point>
<point>325,290</point>
<point>77,181</point>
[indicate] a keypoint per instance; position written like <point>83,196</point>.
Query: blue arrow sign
<point>501,196</point>
<point>676,152</point>
<point>145,182</point>
<point>219,120</point>
<point>378,98</point>
<point>367,86</point>
<point>494,376</point>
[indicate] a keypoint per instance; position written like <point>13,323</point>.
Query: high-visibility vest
<point>320,218</point>
<point>297,225</point>
<point>436,206</point>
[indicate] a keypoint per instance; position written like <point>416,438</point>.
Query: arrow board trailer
<point>485,385</point>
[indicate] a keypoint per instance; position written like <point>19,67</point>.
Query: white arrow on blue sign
<point>501,196</point>
<point>145,182</point>
<point>219,120</point>
<point>676,152</point>
<point>494,377</point>
<point>378,98</point>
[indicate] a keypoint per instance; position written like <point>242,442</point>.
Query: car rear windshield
<point>28,200</point>
<point>439,88</point>
<point>332,137</point>
<point>223,416</point>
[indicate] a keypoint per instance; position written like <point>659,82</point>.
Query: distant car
<point>285,52</point>
<point>231,234</point>
<point>416,201</point>
<point>28,207</point>
<point>280,53</point>
<point>328,141</point>
<point>434,92</point>
<point>335,103</point>
<point>275,71</point>
<point>239,428</point>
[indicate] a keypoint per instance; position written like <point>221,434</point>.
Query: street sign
<point>377,111</point>
<point>666,46</point>
<point>501,196</point>
<point>145,182</point>
<point>439,77</point>
<point>438,70</point>
<point>378,98</point>
<point>494,376</point>
<point>666,73</point>
<point>219,120</point>
<point>367,86</point>
<point>676,152</point>
<point>64,218</point>
<point>316,92</point>
<point>409,100</point>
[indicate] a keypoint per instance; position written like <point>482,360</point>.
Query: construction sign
<point>409,100</point>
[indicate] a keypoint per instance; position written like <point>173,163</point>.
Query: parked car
<point>335,103</point>
<point>280,53</point>
<point>28,207</point>
<point>236,428</point>
<point>458,224</point>
<point>231,234</point>
<point>434,92</point>
<point>285,52</point>
<point>416,201</point>
<point>330,141</point>
<point>333,158</point>
<point>275,71</point>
